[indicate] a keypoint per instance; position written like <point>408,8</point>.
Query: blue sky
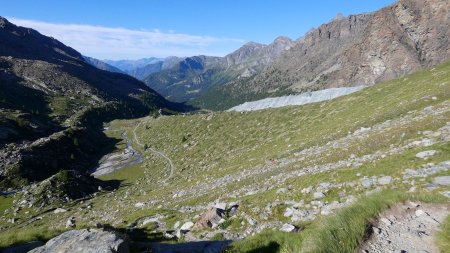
<point>118,29</point>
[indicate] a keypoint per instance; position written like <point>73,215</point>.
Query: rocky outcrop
<point>85,241</point>
<point>211,218</point>
<point>59,189</point>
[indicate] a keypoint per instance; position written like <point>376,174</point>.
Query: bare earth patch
<point>408,227</point>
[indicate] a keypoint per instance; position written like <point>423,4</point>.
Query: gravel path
<point>409,227</point>
<point>171,167</point>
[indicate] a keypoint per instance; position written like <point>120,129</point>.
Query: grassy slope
<point>210,146</point>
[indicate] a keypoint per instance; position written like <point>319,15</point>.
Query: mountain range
<point>347,51</point>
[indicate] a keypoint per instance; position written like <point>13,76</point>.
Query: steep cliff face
<point>400,39</point>
<point>364,49</point>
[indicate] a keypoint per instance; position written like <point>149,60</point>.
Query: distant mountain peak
<point>282,39</point>
<point>252,44</point>
<point>339,16</point>
<point>3,22</point>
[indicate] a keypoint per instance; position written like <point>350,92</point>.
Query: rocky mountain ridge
<point>102,65</point>
<point>196,75</point>
<point>362,49</point>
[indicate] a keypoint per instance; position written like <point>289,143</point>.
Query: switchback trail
<point>154,151</point>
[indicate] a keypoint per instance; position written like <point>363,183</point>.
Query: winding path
<point>154,151</point>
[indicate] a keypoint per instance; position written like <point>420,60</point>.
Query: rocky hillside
<point>49,91</point>
<point>194,76</point>
<point>355,50</point>
<point>311,178</point>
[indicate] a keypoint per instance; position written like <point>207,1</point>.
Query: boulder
<point>187,226</point>
<point>426,154</point>
<point>85,241</point>
<point>211,218</point>
<point>444,180</point>
<point>385,180</point>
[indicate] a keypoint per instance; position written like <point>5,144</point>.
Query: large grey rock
<point>444,180</point>
<point>426,154</point>
<point>85,241</point>
<point>211,218</point>
<point>366,183</point>
<point>385,180</point>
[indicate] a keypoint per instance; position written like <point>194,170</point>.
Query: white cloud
<point>121,43</point>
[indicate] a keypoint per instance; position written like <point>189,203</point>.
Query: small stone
<point>70,222</point>
<point>282,190</point>
<point>307,190</point>
<point>59,210</point>
<point>251,221</point>
<point>419,212</point>
<point>386,221</point>
<point>366,183</point>
<point>288,228</point>
<point>176,225</point>
<point>376,230</point>
<point>139,205</point>
<point>318,195</point>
